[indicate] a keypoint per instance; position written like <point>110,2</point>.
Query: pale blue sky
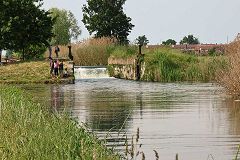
<point>212,21</point>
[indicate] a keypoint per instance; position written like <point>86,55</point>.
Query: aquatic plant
<point>29,131</point>
<point>238,151</point>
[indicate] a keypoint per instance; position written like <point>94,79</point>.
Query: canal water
<point>194,120</point>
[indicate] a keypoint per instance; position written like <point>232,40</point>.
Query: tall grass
<point>90,52</point>
<point>28,131</point>
<point>169,65</point>
<point>229,76</point>
<point>95,51</point>
<point>124,51</point>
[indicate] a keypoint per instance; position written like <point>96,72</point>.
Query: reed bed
<point>229,76</point>
<point>169,65</point>
<point>89,52</point>
<point>95,51</point>
<point>29,131</point>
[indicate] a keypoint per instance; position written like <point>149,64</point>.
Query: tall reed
<point>29,131</point>
<point>95,51</point>
<point>89,52</point>
<point>169,65</point>
<point>229,76</point>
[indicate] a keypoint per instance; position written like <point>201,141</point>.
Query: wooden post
<point>138,66</point>
<point>71,58</point>
<point>70,52</point>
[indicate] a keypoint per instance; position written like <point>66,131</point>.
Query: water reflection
<point>193,120</point>
<point>105,111</point>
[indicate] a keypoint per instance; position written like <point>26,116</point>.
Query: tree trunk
<point>0,55</point>
<point>23,56</point>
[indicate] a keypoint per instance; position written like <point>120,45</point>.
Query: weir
<point>89,72</point>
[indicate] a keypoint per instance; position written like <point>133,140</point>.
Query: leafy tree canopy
<point>24,24</point>
<point>169,42</point>
<point>105,18</point>
<point>65,27</point>
<point>190,39</point>
<point>142,40</point>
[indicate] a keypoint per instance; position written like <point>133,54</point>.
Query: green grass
<point>29,131</point>
<point>28,72</point>
<point>123,51</point>
<point>169,65</point>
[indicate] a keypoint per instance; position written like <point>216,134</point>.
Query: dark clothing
<point>61,66</point>
<point>61,69</point>
<point>57,49</point>
<point>56,71</point>
<point>56,66</point>
<point>51,67</point>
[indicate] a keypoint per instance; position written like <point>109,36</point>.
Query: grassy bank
<point>169,65</point>
<point>28,131</point>
<point>29,72</point>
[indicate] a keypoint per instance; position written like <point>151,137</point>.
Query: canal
<point>194,120</point>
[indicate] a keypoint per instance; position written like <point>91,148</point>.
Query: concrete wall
<point>124,68</point>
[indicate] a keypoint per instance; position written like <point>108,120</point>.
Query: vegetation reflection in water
<point>193,120</point>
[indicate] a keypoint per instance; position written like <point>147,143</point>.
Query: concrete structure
<point>125,68</point>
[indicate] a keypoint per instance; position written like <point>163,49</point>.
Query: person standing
<point>61,69</point>
<point>56,66</point>
<point>57,49</point>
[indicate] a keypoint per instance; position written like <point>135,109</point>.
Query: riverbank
<point>29,131</point>
<point>30,72</point>
<point>167,65</point>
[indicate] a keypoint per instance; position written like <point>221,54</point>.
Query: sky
<point>211,21</point>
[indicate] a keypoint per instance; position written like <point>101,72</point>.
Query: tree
<point>105,18</point>
<point>169,42</point>
<point>65,27</point>
<point>24,24</point>
<point>190,39</point>
<point>142,40</point>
